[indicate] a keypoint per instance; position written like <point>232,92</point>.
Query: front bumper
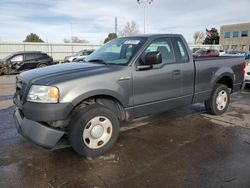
<point>37,132</point>
<point>44,112</point>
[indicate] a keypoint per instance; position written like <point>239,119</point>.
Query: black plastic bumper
<point>37,132</point>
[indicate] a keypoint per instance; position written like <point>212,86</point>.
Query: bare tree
<point>199,37</point>
<point>75,40</point>
<point>131,28</point>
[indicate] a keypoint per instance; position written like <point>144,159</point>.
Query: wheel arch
<point>224,76</point>
<point>227,80</point>
<point>112,102</point>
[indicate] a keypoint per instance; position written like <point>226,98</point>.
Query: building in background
<point>235,37</point>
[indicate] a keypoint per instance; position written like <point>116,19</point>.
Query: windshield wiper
<point>98,61</point>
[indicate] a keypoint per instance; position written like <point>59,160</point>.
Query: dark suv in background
<point>20,61</point>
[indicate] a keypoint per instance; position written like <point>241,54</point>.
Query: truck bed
<point>210,69</point>
<point>217,58</point>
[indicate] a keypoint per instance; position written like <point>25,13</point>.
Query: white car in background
<point>81,54</point>
<point>247,73</point>
<point>234,53</point>
<point>222,52</point>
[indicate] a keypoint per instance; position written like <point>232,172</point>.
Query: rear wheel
<point>93,130</point>
<point>218,103</point>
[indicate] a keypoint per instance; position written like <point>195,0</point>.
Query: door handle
<point>176,72</point>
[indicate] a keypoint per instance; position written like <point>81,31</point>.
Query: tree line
<point>208,37</point>
<point>131,28</point>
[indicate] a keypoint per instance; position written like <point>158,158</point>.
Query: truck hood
<point>63,72</point>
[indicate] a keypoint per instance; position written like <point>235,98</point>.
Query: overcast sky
<point>93,20</point>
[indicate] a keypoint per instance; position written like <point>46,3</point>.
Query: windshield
<point>7,57</point>
<point>118,51</point>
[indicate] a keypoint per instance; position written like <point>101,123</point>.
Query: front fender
<point>100,92</point>
<point>80,90</point>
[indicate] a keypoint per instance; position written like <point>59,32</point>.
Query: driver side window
<point>17,58</point>
<point>162,45</point>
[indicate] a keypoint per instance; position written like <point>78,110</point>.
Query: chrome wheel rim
<point>97,132</point>
<point>221,100</point>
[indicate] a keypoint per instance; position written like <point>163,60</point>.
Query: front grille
<point>20,89</point>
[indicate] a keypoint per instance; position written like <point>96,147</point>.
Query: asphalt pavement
<point>179,148</point>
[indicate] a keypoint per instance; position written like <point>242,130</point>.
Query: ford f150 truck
<point>127,78</point>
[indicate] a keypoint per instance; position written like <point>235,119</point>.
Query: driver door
<point>157,89</point>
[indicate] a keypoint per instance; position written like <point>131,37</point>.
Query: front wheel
<point>93,130</point>
<point>219,100</point>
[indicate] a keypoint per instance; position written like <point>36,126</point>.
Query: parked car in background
<point>206,53</point>
<point>80,54</point>
<point>222,52</point>
<point>195,50</point>
<point>246,71</point>
<point>79,59</point>
<point>234,53</point>
<point>20,61</point>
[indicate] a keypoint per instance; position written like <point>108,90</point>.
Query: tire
<point>1,72</point>
<point>93,130</point>
<point>42,65</point>
<point>4,71</point>
<point>247,86</point>
<point>215,105</point>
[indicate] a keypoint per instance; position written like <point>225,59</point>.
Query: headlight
<point>43,94</point>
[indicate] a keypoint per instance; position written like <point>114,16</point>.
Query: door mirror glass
<point>152,58</point>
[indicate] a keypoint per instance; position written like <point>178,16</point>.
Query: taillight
<point>244,68</point>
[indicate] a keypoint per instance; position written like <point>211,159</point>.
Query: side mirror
<point>150,59</point>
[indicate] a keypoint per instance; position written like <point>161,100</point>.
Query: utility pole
<point>116,25</point>
<point>144,3</point>
<point>144,15</point>
<point>47,44</point>
<point>71,32</point>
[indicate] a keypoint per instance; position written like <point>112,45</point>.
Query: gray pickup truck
<point>127,78</point>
